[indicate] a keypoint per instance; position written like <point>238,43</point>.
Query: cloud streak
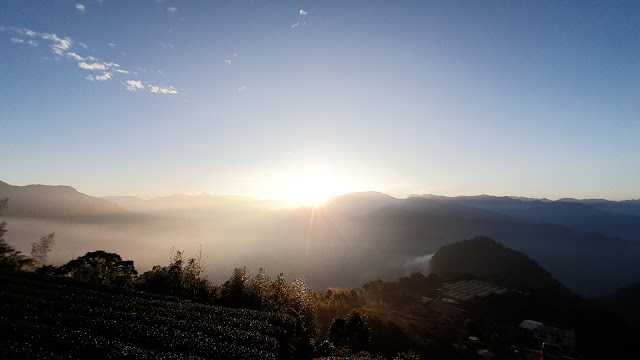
<point>100,71</point>
<point>92,66</point>
<point>134,85</point>
<point>159,90</point>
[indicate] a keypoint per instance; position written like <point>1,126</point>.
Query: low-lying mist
<point>352,239</point>
<point>296,242</point>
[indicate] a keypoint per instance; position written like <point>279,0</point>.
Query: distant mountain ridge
<point>611,218</point>
<point>57,202</point>
<point>352,239</point>
<point>182,202</point>
<point>589,262</point>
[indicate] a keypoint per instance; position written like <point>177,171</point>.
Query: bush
<point>100,267</point>
<point>352,332</point>
<point>181,278</point>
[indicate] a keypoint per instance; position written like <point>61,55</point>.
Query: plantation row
<point>108,305</point>
<point>55,318</point>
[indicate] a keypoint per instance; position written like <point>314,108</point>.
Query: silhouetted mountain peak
<point>486,258</point>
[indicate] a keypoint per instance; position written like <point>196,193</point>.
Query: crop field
<point>49,318</point>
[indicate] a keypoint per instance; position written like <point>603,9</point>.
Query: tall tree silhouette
<point>9,257</point>
<point>41,248</point>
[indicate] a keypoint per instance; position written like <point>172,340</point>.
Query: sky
<point>279,99</point>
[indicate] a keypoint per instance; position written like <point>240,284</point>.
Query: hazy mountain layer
<point>350,240</point>
<point>611,218</point>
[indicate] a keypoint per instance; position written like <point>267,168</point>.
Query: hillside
<point>589,263</point>
<point>59,318</point>
<point>487,259</point>
<point>610,218</point>
<point>56,202</point>
<point>625,302</point>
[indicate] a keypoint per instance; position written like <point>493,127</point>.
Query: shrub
<point>100,267</point>
<point>352,332</point>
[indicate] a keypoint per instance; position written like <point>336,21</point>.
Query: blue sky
<point>533,98</point>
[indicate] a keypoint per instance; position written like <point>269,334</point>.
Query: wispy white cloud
<point>80,7</point>
<point>58,45</point>
<point>75,56</point>
<point>160,90</point>
<point>102,77</point>
<point>29,42</point>
<point>242,88</point>
<point>227,61</point>
<point>134,85</point>
<point>112,45</point>
<point>105,76</point>
<point>92,66</point>
<point>302,18</point>
<point>63,48</point>
<point>172,9</point>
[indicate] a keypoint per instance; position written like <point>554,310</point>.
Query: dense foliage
<point>352,332</point>
<point>55,317</point>
<point>100,267</point>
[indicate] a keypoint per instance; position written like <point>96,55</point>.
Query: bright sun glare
<point>309,186</point>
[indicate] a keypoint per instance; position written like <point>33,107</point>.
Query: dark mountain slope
<point>602,216</point>
<point>485,258</point>
<point>625,302</point>
<point>629,207</point>
<point>588,263</point>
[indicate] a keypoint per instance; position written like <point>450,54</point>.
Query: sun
<point>311,189</point>
<point>310,186</point>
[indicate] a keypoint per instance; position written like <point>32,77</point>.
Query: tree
<point>40,249</point>
<point>234,292</point>
<point>100,267</point>
<point>9,257</point>
<point>352,332</point>
<point>182,277</point>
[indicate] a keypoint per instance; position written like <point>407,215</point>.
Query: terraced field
<point>44,318</point>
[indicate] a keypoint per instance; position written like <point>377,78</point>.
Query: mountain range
<point>591,246</point>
